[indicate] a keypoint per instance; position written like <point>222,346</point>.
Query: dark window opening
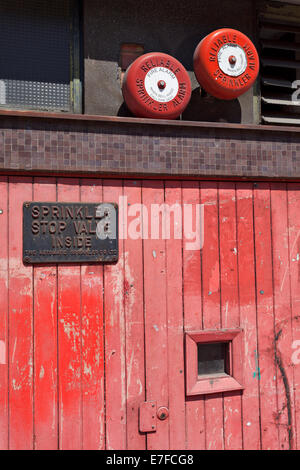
<point>213,359</point>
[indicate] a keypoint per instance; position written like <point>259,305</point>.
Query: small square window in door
<point>214,361</point>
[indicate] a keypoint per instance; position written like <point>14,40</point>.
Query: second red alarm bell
<point>226,63</point>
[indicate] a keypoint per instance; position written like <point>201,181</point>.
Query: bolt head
<point>161,84</point>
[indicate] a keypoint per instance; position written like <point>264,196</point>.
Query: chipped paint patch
<point>87,370</point>
<point>129,373</point>
<point>14,351</point>
<point>287,265</point>
<point>70,330</point>
<point>2,352</point>
<point>42,372</point>
<point>117,315</point>
<point>16,386</point>
<point>3,265</point>
<point>130,300</point>
<point>117,284</point>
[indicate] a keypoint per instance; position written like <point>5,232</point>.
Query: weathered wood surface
<point>82,346</point>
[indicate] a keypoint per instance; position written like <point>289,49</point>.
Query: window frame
<point>214,383</point>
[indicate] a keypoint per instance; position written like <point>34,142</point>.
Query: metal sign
<point>56,232</point>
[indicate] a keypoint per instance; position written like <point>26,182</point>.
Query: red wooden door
<point>82,347</point>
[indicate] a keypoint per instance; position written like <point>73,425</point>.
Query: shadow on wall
<point>124,111</point>
<point>203,108</point>
<point>208,108</point>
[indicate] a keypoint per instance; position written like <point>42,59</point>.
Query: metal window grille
<point>37,54</point>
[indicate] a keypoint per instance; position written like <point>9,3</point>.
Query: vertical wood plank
<point>246,269</point>
<point>20,324</point>
<point>4,314</point>
<point>282,310</point>
<point>93,424</point>
<point>294,251</point>
<point>45,339</point>
<point>173,199</point>
<point>134,313</point>
<point>69,339</point>
<point>265,317</point>
<point>115,354</point>
<point>211,304</point>
<point>229,303</point>
<point>192,295</point>
<point>156,335</point>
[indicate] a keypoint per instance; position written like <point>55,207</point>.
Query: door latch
<point>147,416</point>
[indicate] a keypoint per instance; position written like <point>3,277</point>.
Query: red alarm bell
<point>226,63</point>
<point>156,86</point>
